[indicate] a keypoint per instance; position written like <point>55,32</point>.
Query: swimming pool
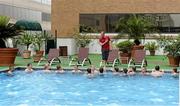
<point>50,89</point>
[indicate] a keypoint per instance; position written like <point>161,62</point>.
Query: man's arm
<point>104,42</point>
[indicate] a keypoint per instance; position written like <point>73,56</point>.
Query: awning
<point>29,25</point>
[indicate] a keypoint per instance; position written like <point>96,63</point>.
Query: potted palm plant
<point>125,50</point>
<point>82,39</point>
<point>38,42</point>
<point>26,39</point>
<point>136,26</point>
<point>172,48</point>
<point>152,47</point>
<point>7,30</point>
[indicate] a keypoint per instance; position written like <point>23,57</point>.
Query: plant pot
<point>136,47</point>
<point>124,57</point>
<point>152,52</point>
<point>7,56</point>
<point>40,52</point>
<point>26,54</point>
<point>38,56</point>
<point>173,61</point>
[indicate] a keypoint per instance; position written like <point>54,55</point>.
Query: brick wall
<point>65,13</point>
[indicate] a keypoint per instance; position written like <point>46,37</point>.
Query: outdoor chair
<point>82,57</point>
<point>138,60</point>
<point>113,58</point>
<point>53,56</point>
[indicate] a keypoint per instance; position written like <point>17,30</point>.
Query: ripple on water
<point>153,93</point>
<point>67,89</point>
<point>113,104</point>
<point>23,105</point>
<point>157,100</point>
<point>103,98</point>
<point>74,93</point>
<point>93,91</point>
<point>12,93</point>
<point>8,85</point>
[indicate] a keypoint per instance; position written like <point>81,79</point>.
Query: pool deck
<point>95,59</point>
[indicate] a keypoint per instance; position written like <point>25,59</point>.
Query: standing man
<point>105,46</point>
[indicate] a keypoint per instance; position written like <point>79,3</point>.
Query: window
<point>166,23</point>
<point>46,17</point>
<point>48,2</point>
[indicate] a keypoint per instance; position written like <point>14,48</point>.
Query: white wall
<point>94,47</point>
<point>70,43</point>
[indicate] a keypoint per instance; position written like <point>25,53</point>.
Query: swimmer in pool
<point>59,69</point>
<point>144,71</point>
<point>94,70</point>
<point>125,72</point>
<point>9,72</point>
<point>157,72</point>
<point>175,73</point>
<point>76,69</point>
<point>29,68</point>
<point>131,71</point>
<point>115,71</point>
<point>47,68</point>
<point>101,71</point>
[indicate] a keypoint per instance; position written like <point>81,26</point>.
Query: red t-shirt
<point>106,46</point>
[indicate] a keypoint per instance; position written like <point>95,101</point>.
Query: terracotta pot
<point>152,52</point>
<point>135,47</point>
<point>26,54</point>
<point>174,61</point>
<point>7,56</point>
<point>40,52</point>
<point>124,57</point>
<point>38,56</point>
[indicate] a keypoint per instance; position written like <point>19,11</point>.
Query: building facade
<point>33,10</point>
<point>67,15</point>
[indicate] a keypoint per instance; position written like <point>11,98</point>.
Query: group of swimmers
<point>156,72</point>
<point>92,71</point>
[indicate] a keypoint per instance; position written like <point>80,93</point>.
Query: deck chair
<point>113,58</point>
<point>138,60</point>
<point>53,56</point>
<point>82,57</point>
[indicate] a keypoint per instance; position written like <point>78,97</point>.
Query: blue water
<point>39,88</point>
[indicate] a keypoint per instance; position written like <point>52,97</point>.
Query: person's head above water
<point>175,70</point>
<point>116,69</point>
<point>143,69</point>
<point>58,67</point>
<point>29,65</point>
<point>76,67</point>
<point>125,70</point>
<point>47,66</point>
<point>101,69</point>
<point>89,70</point>
<point>134,69</point>
<point>157,68</point>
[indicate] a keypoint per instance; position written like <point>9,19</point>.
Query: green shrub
<point>151,46</point>
<point>125,46</point>
<point>170,45</point>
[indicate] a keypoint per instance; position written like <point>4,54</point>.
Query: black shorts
<point>105,54</point>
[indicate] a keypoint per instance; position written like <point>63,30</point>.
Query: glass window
<point>20,13</point>
<point>46,17</point>
<point>48,2</point>
<point>166,23</point>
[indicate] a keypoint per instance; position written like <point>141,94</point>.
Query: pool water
<point>51,89</point>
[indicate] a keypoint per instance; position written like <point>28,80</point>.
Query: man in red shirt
<point>105,46</point>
